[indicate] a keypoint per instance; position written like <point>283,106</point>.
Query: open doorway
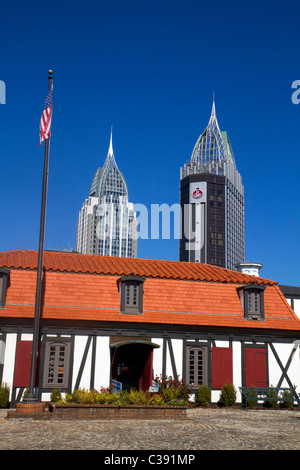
<point>132,363</point>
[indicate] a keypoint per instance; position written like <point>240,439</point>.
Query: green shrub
<point>56,396</point>
<point>157,399</point>
<point>112,398</point>
<point>271,403</point>
<point>4,395</point>
<point>203,396</point>
<point>89,397</point>
<point>80,395</point>
<point>287,394</point>
<point>252,401</point>
<point>103,396</point>
<point>122,399</point>
<point>228,395</point>
<point>138,397</point>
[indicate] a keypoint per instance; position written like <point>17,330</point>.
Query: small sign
<point>154,388</point>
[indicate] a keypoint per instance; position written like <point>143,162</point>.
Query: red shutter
<point>23,364</point>
<point>222,369</point>
<point>255,367</point>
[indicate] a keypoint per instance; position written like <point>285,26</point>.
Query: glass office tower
<point>212,202</point>
<point>107,221</point>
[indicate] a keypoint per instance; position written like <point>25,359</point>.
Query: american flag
<point>45,124</point>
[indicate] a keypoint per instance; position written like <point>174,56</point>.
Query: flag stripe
<point>45,123</point>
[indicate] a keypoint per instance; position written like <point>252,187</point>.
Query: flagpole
<point>31,396</point>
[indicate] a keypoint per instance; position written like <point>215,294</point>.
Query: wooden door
<point>255,367</point>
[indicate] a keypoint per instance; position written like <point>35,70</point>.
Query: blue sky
<point>149,69</point>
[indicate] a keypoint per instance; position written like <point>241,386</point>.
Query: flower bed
<point>170,392</point>
<point>170,402</point>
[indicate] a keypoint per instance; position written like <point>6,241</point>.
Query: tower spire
<point>209,152</point>
<point>111,171</point>
<point>110,149</point>
<point>213,116</point>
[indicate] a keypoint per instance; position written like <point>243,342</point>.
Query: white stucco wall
<point>9,360</point>
<point>297,307</point>
<point>102,371</point>
<point>102,362</point>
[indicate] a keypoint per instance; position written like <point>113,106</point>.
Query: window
<point>252,299</point>
<point>56,364</point>
<point>196,365</point>
<point>4,279</point>
<point>253,302</point>
<point>131,294</point>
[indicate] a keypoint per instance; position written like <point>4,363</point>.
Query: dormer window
<point>252,299</point>
<point>4,276</point>
<point>253,302</point>
<point>131,294</point>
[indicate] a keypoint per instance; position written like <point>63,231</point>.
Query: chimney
<point>246,267</point>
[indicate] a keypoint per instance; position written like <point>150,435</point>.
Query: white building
<point>107,221</point>
<point>105,319</point>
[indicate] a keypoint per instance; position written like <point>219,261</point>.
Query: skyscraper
<point>212,202</point>
<point>107,221</point>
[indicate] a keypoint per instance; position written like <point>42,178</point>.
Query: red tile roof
<point>83,287</point>
<point>78,263</point>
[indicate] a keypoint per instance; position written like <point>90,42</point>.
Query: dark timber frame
<point>4,282</point>
<point>195,336</point>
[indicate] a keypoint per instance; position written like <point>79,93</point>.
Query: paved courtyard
<point>204,429</point>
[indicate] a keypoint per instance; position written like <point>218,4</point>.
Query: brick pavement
<point>204,429</point>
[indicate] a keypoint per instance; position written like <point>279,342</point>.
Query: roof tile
<point>78,263</point>
<point>83,287</point>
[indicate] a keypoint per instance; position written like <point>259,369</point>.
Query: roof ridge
<point>69,262</point>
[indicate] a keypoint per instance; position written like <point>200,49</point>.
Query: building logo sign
<point>197,194</point>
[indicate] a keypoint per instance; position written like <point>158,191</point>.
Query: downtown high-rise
<point>212,202</point>
<point>107,221</point>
